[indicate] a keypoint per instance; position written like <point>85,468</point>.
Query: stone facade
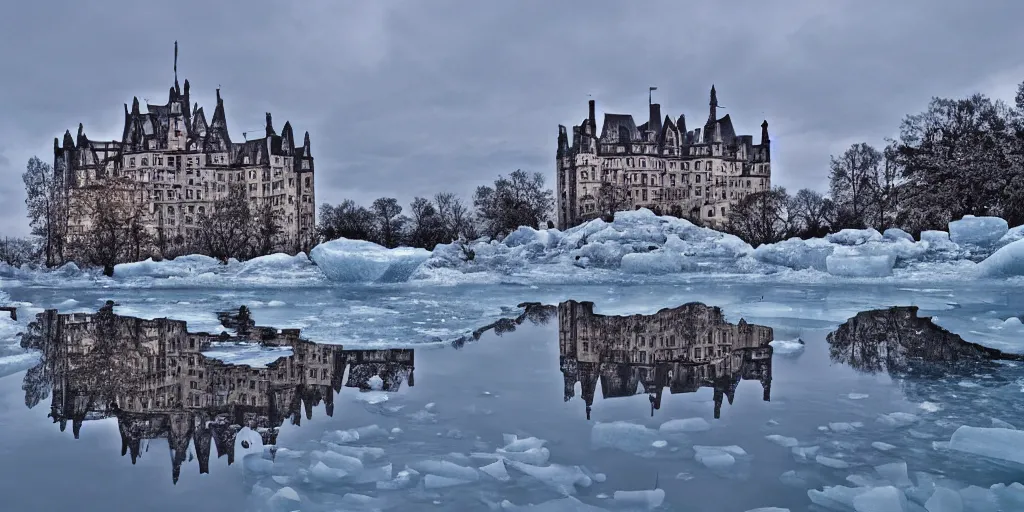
<point>697,174</point>
<point>152,377</point>
<point>684,349</point>
<point>176,163</point>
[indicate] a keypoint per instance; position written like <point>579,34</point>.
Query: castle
<point>176,163</point>
<point>152,376</point>
<point>699,174</point>
<point>684,349</point>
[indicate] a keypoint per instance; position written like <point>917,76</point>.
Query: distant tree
<point>811,213</point>
<point>266,229</point>
<point>762,217</point>
<point>226,231</point>
<point>47,209</point>
<point>958,157</point>
<point>519,200</point>
<point>17,251</point>
<point>614,197</point>
<point>853,180</point>
<point>456,218</point>
<point>425,228</point>
<point>389,221</point>
<point>345,220</point>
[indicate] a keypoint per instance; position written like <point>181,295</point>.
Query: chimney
<point>593,121</point>
<point>654,123</point>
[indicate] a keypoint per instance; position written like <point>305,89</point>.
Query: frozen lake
<point>793,419</point>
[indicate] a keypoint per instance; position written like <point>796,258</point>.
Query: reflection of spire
<point>683,348</point>
<point>151,375</point>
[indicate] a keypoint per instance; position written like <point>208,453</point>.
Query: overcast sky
<point>411,97</point>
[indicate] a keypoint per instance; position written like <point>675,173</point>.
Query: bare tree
<point>456,219</point>
<point>111,213</point>
<point>762,217</point>
<point>519,200</point>
<point>17,251</point>
<point>853,178</point>
<point>611,198</point>
<point>47,209</point>
<point>387,213</point>
<point>227,231</point>
<point>811,213</point>
<point>345,220</point>
<point>266,229</point>
<point>426,228</point>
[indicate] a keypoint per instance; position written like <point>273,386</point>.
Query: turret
<point>305,146</point>
<point>56,146</point>
<point>563,142</point>
<point>287,139</point>
<point>681,124</point>
<point>764,132</point>
<point>82,140</point>
<point>713,113</point>
<point>69,143</point>
<point>135,105</point>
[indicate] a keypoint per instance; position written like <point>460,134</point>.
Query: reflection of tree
<point>897,341</point>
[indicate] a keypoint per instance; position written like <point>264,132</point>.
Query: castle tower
<point>713,113</point>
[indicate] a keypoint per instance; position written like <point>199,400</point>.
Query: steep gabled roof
<point>619,128</point>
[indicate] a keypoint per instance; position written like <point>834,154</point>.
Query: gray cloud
<point>409,98</point>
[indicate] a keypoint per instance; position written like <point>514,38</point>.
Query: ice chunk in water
<point>1007,261</point>
<point>995,443</point>
<point>787,442</point>
<point>944,500</point>
<point>446,469</point>
<point>439,482</point>
<point>496,470</point>
<point>895,473</point>
<point>348,261</point>
<point>769,509</point>
<point>860,266</point>
<point>898,419</point>
<point>562,478</point>
<point>836,497</point>
<point>983,231</point>
<point>339,461</point>
<point>622,435</point>
<point>881,499</point>
<point>1010,497</point>
<point>896,234</point>
<point>684,425</point>
<point>717,457</point>
<point>785,347</point>
<point>649,499</point>
<point>831,462</point>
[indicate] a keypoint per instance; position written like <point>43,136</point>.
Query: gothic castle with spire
<point>176,163</point>
<point>698,174</point>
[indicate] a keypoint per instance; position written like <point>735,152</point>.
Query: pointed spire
<point>69,142</point>
<point>713,114</point>
<point>305,145</point>
<point>135,105</point>
<point>175,61</point>
<point>764,132</point>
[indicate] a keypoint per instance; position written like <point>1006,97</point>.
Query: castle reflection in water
<point>152,377</point>
<point>682,349</point>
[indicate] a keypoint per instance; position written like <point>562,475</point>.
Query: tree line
<point>959,157</point>
<point>520,199</point>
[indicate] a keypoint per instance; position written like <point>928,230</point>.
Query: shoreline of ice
<point>637,247</point>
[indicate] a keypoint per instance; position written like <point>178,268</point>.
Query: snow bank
<point>350,261</point>
<point>635,242</point>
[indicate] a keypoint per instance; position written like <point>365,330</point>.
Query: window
<point>697,179</point>
<point>583,175</point>
<point>696,165</point>
<point>748,183</point>
<point>308,182</point>
<point>145,161</point>
<point>723,211</point>
<point>131,162</point>
<point>711,213</point>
